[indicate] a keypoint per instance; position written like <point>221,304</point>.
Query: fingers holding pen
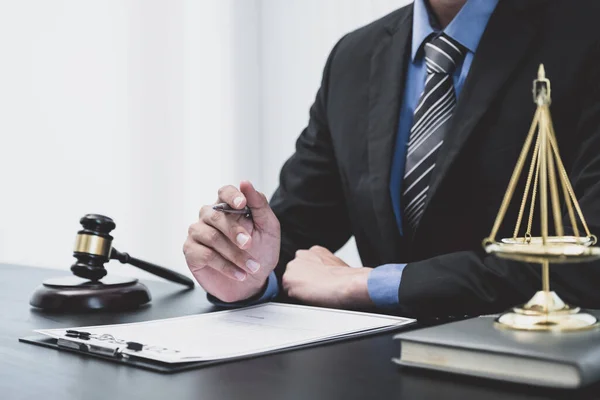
<point>227,225</point>
<point>256,200</point>
<point>232,196</point>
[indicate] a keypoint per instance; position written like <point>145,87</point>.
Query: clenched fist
<point>231,255</point>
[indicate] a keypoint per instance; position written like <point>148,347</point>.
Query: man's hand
<point>230,255</point>
<point>318,277</point>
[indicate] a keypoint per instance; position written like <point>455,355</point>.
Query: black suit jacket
<point>337,182</point>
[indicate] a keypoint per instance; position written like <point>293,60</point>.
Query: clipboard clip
<point>106,351</point>
<point>89,348</point>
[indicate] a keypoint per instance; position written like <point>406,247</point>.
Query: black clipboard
<point>168,368</point>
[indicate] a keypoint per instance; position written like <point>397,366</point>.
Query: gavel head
<point>93,246</point>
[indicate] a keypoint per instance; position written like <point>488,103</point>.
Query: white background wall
<point>141,109</point>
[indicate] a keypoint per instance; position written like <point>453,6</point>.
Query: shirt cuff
<point>270,291</point>
<point>383,284</point>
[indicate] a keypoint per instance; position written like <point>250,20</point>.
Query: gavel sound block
<point>91,288</point>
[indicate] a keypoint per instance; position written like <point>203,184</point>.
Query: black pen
<point>226,208</point>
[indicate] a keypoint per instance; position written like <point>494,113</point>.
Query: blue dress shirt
<point>466,28</point>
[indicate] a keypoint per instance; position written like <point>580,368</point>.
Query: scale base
<point>546,312</point>
<point>73,294</point>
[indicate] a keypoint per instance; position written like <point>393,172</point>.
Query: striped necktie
<point>431,120</point>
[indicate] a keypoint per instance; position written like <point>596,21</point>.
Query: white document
<point>233,333</point>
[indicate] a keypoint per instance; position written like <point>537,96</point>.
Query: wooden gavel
<point>93,248</point>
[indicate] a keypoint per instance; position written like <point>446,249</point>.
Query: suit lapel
<point>505,42</point>
<point>386,86</point>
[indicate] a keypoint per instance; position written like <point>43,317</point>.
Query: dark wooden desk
<point>356,369</point>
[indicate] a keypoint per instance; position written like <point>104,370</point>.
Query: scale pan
<point>557,250</point>
<point>585,241</point>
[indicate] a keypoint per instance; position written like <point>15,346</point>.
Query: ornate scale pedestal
<point>545,311</point>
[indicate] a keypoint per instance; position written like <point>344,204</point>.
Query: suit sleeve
<point>474,283</point>
<point>309,201</point>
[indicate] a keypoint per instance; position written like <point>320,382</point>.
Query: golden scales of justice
<point>545,311</point>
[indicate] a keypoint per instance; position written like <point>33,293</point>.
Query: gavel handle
<point>152,268</point>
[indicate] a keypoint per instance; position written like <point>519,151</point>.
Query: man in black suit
<point>411,142</point>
